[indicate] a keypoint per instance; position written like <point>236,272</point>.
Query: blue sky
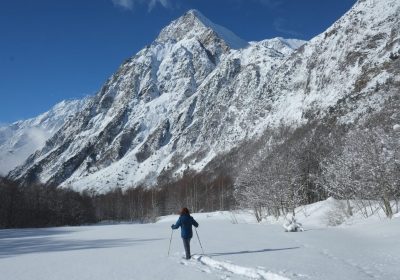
<point>51,50</point>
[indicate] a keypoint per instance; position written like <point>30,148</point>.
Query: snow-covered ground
<point>242,250</point>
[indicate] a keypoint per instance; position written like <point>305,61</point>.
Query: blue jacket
<point>185,222</point>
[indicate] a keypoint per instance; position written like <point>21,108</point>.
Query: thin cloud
<point>165,3</point>
<point>151,4</point>
<point>280,26</point>
<point>125,4</point>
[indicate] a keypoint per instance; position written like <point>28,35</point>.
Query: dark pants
<point>186,244</point>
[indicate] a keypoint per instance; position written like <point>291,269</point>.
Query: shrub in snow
<point>394,56</point>
<point>293,226</point>
<point>233,217</point>
<point>338,214</point>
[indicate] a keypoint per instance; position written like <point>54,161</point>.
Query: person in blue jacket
<point>186,221</point>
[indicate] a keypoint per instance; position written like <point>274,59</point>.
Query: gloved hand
<point>172,226</point>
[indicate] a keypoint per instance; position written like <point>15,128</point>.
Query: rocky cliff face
<point>198,90</point>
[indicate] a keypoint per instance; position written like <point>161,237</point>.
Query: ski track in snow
<point>228,269</point>
<point>254,273</point>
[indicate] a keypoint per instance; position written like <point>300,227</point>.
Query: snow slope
<point>245,250</point>
<point>21,139</point>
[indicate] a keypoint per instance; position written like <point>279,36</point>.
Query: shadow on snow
<point>27,241</point>
<point>32,232</point>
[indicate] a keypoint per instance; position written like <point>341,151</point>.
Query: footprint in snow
<point>206,270</point>
<point>236,270</point>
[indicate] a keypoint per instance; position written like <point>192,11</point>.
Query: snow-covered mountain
<point>198,90</point>
<point>20,139</point>
<point>142,119</point>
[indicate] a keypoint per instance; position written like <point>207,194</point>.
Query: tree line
<point>43,205</point>
<point>144,204</point>
<point>40,206</point>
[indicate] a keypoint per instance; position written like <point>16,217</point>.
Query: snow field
<point>235,248</point>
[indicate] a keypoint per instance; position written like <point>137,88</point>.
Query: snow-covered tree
<point>271,182</point>
<point>367,168</point>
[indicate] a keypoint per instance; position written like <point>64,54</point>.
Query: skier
<point>186,221</point>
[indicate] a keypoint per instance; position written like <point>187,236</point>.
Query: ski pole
<point>199,240</point>
<point>170,240</point>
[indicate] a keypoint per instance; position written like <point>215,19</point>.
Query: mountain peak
<point>193,24</point>
<point>195,13</point>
